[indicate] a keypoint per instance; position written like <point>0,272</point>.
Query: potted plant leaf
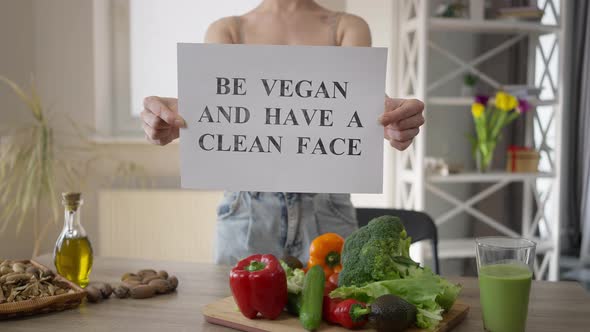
<point>40,160</point>
<point>468,88</point>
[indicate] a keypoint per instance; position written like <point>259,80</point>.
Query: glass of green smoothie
<point>505,271</point>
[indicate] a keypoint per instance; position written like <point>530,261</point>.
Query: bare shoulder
<point>353,30</point>
<point>353,21</point>
<point>223,31</point>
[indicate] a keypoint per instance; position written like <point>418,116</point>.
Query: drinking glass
<point>505,271</point>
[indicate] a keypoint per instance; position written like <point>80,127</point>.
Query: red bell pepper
<point>259,285</point>
<point>351,313</point>
<point>328,308</point>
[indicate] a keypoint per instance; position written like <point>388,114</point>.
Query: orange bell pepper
<point>325,251</point>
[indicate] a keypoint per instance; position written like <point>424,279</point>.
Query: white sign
<point>281,118</point>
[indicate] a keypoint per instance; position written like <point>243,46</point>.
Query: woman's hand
<point>161,121</point>
<point>401,121</point>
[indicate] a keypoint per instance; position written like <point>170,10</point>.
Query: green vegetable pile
<point>376,261</point>
<point>378,251</point>
<point>295,278</point>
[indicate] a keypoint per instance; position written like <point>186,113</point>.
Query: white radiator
<point>157,224</point>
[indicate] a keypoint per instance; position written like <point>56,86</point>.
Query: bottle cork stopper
<point>71,199</point>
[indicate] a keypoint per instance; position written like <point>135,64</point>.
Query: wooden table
<point>562,306</point>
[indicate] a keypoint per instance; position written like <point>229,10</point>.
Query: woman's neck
<point>287,5</point>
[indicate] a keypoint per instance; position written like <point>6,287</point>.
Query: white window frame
<point>112,72</point>
<point>115,119</point>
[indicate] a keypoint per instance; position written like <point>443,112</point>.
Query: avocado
<point>293,262</point>
<point>390,313</point>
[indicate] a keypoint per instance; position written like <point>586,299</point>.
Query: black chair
<point>418,224</point>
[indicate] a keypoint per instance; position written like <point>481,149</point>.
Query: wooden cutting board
<point>225,312</point>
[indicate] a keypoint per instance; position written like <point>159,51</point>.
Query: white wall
<point>16,63</point>
<point>336,5</point>
<point>53,40</point>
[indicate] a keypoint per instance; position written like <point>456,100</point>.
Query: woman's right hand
<point>161,122</point>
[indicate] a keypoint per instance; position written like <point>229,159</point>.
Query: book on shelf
<point>522,13</point>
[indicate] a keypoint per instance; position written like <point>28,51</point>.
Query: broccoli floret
<point>377,251</point>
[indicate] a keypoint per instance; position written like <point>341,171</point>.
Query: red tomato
<point>334,279</point>
<point>328,287</point>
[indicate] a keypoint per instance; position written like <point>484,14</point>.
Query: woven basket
<point>44,304</point>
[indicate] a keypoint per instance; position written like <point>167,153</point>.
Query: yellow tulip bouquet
<point>490,118</point>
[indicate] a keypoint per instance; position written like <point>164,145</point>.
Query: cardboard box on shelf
<point>522,159</point>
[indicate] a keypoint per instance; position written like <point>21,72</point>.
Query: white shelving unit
<point>490,26</point>
<point>543,125</point>
<point>467,101</point>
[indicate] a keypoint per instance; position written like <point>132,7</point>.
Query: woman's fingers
<point>160,120</point>
<point>402,135</point>
<point>401,146</point>
<point>165,109</point>
<point>155,134</point>
<point>160,136</point>
<point>153,121</point>
<point>401,140</point>
<point>412,122</point>
<point>397,110</point>
<point>401,120</point>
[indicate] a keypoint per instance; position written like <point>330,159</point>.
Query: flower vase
<point>483,160</point>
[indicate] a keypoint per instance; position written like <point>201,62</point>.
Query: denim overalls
<point>278,223</point>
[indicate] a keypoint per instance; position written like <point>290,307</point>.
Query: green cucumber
<point>310,314</point>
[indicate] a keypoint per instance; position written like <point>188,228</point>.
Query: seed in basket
<point>33,270</point>
<point>15,277</point>
<point>18,267</point>
<point>5,269</point>
<point>21,281</point>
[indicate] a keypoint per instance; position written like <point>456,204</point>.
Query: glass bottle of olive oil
<point>73,253</point>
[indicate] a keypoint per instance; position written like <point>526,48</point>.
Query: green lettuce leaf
<point>430,294</point>
<point>294,278</point>
<point>295,281</point>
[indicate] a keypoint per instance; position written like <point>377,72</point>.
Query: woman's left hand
<point>401,121</point>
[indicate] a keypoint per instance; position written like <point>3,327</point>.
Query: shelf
<point>486,177</point>
<point>422,52</point>
<point>490,26</point>
<point>465,248</point>
<point>467,101</point>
